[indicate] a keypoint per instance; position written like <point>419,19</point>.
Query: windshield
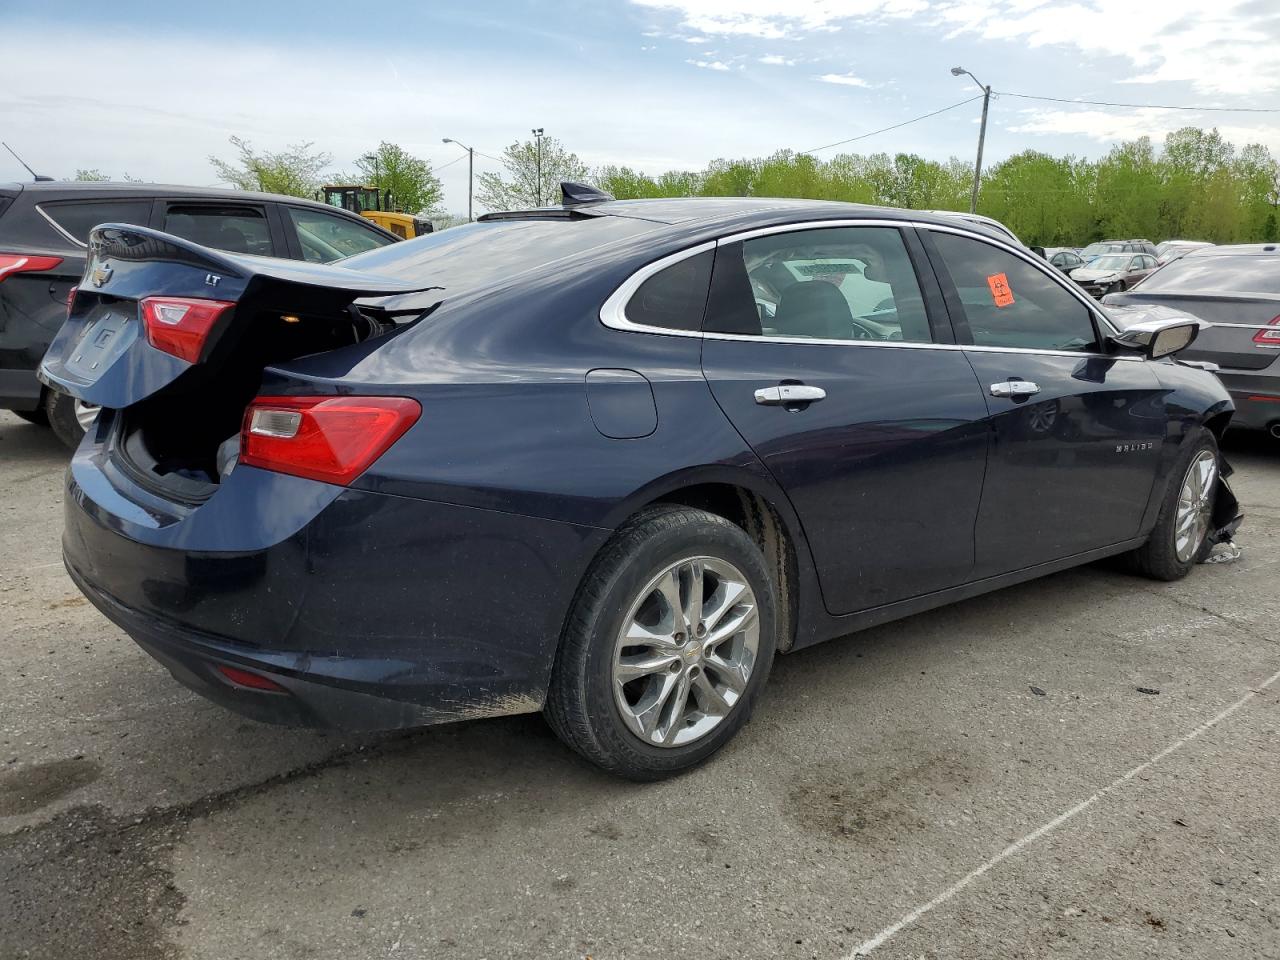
<point>1257,274</point>
<point>1097,249</point>
<point>1110,263</point>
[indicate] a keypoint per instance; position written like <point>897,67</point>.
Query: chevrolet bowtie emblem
<point>101,274</point>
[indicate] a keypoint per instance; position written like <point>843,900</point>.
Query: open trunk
<point>174,337</point>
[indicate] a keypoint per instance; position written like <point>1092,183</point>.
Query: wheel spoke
<point>693,599</point>
<point>676,710</point>
<point>643,665</point>
<point>638,635</point>
<point>709,698</point>
<point>648,718</point>
<point>731,674</point>
<point>669,587</point>
<point>721,602</point>
<point>739,620</point>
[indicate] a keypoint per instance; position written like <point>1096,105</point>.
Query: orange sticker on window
<point>1000,291</point>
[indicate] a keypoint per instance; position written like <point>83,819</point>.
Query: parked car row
<point>44,232</point>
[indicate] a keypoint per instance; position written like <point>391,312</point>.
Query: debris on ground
<point>1226,552</point>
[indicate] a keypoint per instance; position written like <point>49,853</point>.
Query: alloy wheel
<point>85,413</point>
<point>1195,504</point>
<point>686,651</point>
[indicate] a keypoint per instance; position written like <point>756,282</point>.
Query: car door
<point>1076,431</point>
<point>820,349</point>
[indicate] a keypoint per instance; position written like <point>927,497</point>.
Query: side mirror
<point>1039,251</point>
<point>1158,338</point>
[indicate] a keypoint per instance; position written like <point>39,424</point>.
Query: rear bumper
<point>371,611</point>
<point>1256,395</point>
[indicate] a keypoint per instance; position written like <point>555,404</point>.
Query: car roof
<point>72,189</point>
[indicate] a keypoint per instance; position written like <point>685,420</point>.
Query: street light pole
<point>537,139</point>
<point>982,135</point>
<point>471,169</point>
<point>377,179</point>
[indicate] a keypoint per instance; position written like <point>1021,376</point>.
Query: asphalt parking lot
<point>983,781</point>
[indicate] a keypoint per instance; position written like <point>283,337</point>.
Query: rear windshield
<point>78,217</point>
<point>478,254</point>
<point>1233,274</point>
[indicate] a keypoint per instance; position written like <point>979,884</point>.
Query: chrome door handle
<point>1014,389</point>
<point>788,393</point>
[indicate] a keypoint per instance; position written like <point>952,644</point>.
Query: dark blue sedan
<point>606,459</point>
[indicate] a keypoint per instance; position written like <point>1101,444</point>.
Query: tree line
<point>1195,185</point>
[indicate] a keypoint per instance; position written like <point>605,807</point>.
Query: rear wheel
<point>69,417</point>
<point>1180,538</point>
<point>669,641</point>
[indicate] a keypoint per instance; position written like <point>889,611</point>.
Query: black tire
<point>1158,557</point>
<point>61,412</point>
<point>580,704</point>
<point>36,416</point>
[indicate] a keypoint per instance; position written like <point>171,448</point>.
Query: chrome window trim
<point>613,310</point>
<point>57,226</point>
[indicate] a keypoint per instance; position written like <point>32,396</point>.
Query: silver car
<point>1236,289</point>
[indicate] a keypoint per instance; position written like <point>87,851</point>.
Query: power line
<point>451,163</point>
<point>1140,106</point>
<point>863,136</point>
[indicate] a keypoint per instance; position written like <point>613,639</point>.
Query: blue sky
<point>152,89</point>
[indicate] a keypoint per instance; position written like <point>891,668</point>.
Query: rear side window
<point>1231,274</point>
<point>325,237</point>
<point>832,283</point>
<point>674,298</point>
<point>78,217</point>
<point>1009,303</point>
<point>231,228</point>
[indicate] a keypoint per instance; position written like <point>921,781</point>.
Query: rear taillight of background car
<point>1269,337</point>
<point>11,263</point>
<point>333,439</point>
<point>181,325</point>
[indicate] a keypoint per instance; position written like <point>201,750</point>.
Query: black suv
<point>43,229</point>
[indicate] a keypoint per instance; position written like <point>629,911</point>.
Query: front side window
<point>325,237</point>
<point>831,283</point>
<point>232,228</point>
<point>78,217</point>
<point>1010,303</point>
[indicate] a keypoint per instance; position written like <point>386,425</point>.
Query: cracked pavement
<point>138,821</point>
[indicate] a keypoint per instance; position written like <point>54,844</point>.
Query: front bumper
<point>371,611</point>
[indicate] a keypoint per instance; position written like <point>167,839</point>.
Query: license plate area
<point>108,333</point>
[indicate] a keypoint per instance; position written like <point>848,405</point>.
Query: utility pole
<point>471,169</point>
<point>537,139</point>
<point>982,135</point>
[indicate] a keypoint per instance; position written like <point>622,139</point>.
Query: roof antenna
<point>574,194</point>
<point>35,176</point>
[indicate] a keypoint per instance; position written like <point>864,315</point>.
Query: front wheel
<point>1180,538</point>
<point>668,643</point>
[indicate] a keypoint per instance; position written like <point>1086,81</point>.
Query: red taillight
<point>71,298</point>
<point>11,263</point>
<point>179,325</point>
<point>255,681</point>
<point>1269,338</point>
<point>333,439</point>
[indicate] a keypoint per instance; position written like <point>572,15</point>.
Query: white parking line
<point>889,932</point>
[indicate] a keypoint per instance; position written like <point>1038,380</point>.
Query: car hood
<point>1089,273</point>
<point>1125,315</point>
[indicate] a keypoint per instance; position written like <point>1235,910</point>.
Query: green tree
<point>414,186</point>
<point>296,171</point>
<point>90,176</point>
<point>519,187</point>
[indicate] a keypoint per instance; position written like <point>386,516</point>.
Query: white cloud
<point>777,60</point>
<point>778,19</point>
<point>696,39</point>
<point>1225,47</point>
<point>710,64</point>
<point>845,79</point>
<point>1106,126</point>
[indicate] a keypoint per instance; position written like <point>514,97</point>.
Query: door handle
<point>1014,389</point>
<point>788,393</point>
